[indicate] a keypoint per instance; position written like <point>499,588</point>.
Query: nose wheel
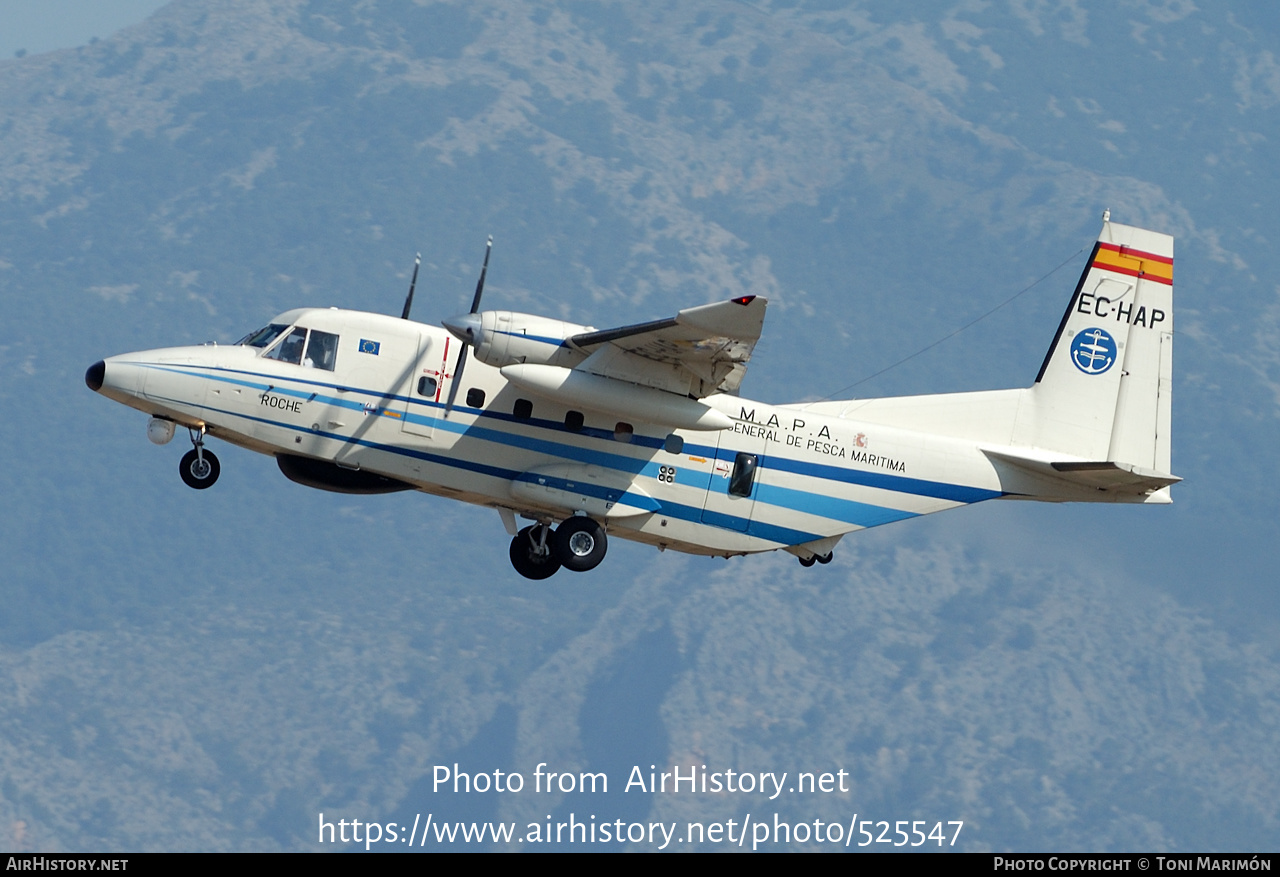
<point>199,468</point>
<point>533,554</point>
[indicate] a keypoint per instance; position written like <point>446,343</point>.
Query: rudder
<point>1104,391</point>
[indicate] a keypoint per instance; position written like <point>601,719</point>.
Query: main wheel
<point>580,543</point>
<point>809,561</point>
<point>824,558</point>
<point>528,561</point>
<point>199,473</point>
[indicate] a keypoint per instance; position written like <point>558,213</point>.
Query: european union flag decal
<point>367,346</point>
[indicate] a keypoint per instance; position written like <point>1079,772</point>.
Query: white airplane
<point>639,431</point>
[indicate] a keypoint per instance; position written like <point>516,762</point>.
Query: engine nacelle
<point>501,338</point>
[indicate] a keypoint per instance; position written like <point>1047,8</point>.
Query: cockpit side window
<point>322,350</point>
<point>262,337</point>
<point>290,349</point>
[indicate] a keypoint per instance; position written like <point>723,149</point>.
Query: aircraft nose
<point>95,375</point>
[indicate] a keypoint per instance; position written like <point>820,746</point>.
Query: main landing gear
<point>533,552</point>
<point>199,468</point>
<point>578,544</point>
<point>815,558</point>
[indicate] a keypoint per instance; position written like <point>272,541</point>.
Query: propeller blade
<point>471,336</point>
<point>475,302</point>
<point>408,302</point>
<point>457,380</point>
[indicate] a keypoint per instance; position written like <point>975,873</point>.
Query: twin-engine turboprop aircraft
<point>639,431</point>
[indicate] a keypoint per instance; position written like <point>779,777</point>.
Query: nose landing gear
<point>199,468</point>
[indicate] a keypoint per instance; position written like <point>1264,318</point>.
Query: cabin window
<point>290,349</point>
<point>623,432</point>
<point>523,409</point>
<point>322,350</point>
<point>475,398</point>
<point>427,386</point>
<point>744,474</point>
<point>674,444</point>
<point>573,421</point>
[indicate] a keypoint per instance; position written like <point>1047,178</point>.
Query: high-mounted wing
<point>698,352</point>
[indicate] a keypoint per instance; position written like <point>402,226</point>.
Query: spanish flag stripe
<point>1164,269</point>
<point>1137,254</point>
<point>1134,271</point>
<point>1127,262</point>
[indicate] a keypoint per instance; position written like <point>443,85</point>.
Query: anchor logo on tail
<point>1093,351</point>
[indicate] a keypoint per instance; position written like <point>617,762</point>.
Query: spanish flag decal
<point>1134,263</point>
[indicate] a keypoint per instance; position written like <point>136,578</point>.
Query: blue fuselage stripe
<point>859,514</point>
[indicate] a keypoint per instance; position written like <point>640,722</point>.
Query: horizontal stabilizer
<point>1116,476</point>
<point>1121,479</point>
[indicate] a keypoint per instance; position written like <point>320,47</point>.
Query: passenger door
<point>422,392</point>
<point>731,497</point>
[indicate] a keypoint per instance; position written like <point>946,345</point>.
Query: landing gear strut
<point>199,468</point>
<point>533,554</point>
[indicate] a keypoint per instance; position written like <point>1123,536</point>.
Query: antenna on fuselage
<point>408,302</point>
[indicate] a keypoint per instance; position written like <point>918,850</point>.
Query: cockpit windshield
<point>262,337</point>
<point>321,348</point>
<point>290,349</point>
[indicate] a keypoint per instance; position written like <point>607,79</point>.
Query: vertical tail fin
<point>1104,390</point>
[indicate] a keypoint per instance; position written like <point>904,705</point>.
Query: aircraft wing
<point>698,352</point>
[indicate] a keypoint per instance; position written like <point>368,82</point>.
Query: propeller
<point>408,302</point>
<point>467,328</point>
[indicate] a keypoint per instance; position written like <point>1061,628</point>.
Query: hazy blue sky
<point>45,25</point>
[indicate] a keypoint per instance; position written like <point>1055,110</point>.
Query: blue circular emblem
<point>1093,351</point>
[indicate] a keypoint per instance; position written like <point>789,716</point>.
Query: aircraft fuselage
<point>815,477</point>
